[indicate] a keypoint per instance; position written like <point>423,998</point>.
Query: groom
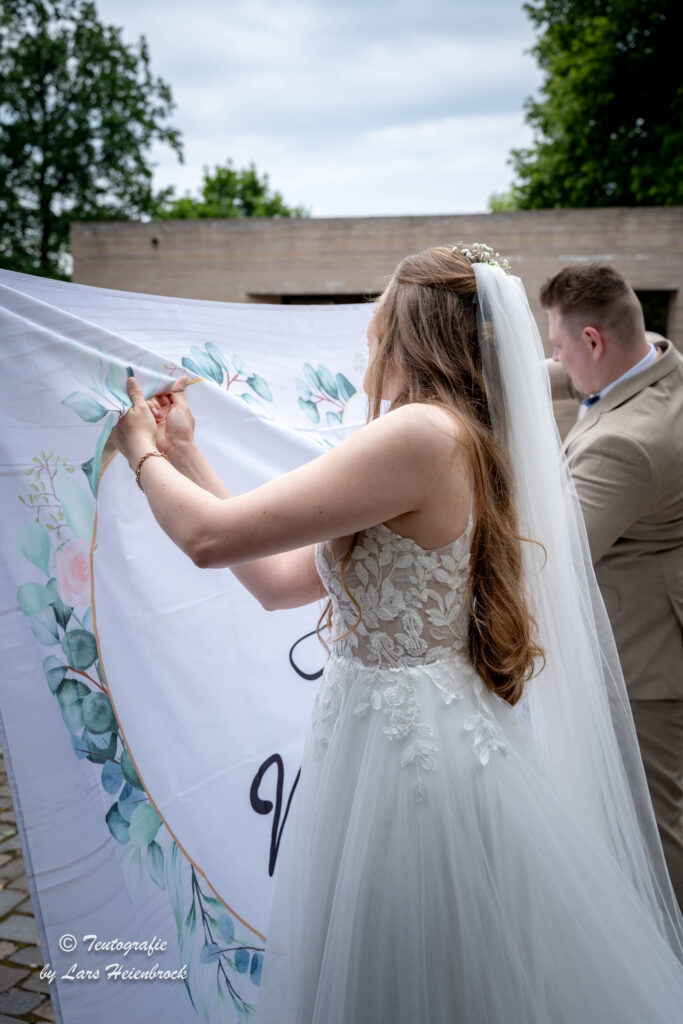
<point>625,453</point>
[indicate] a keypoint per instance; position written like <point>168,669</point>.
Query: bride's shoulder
<point>421,432</point>
<point>433,421</point>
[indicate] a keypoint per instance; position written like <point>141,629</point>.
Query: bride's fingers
<point>178,400</point>
<point>164,397</point>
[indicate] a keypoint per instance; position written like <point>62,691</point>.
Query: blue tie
<point>591,400</point>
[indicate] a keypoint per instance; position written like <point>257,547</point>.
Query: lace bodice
<point>412,635</point>
<point>412,598</point>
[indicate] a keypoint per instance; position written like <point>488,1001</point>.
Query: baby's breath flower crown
<point>480,253</point>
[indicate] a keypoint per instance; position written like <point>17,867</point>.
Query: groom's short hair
<point>596,295</point>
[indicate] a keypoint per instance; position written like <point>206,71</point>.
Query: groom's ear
<point>595,339</point>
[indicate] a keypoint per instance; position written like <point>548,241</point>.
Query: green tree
<point>228,192</point>
<point>502,202</point>
<point>609,123</point>
<point>79,110</point>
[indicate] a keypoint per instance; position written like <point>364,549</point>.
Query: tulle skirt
<point>429,873</point>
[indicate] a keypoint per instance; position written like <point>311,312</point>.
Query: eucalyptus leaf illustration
<point>116,825</point>
<point>187,936</point>
<point>222,1001</point>
<point>80,648</point>
<point>188,989</point>
<point>217,355</point>
<point>242,959</point>
<point>310,408</point>
<point>70,693</point>
<point>129,799</point>
<point>131,869</point>
<point>327,381</point>
<point>211,952</point>
<point>111,777</point>
<point>116,382</point>
<point>312,377</point>
<point>240,366</point>
<point>333,418</point>
<point>55,670</point>
<point>155,864</point>
<point>72,690</point>
<point>346,388</point>
<point>32,598</point>
<point>207,364</point>
<point>226,926</point>
<point>260,386</point>
<point>91,467</point>
<point>213,901</point>
<point>101,747</point>
<point>256,967</point>
<point>174,884</point>
<point>128,769</point>
<point>144,824</point>
<point>98,715</point>
<point>62,611</point>
<point>44,627</point>
<point>78,744</point>
<point>33,542</point>
<point>89,371</point>
<point>77,507</point>
<point>303,388</point>
<point>85,406</point>
<point>190,365</point>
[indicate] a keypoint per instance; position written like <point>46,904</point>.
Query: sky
<point>352,107</point>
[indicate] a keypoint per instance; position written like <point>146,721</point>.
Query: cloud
<point>452,165</point>
<point>328,98</point>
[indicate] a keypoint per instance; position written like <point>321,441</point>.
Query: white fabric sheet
<point>211,692</point>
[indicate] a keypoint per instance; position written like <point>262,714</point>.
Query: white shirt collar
<point>640,365</point>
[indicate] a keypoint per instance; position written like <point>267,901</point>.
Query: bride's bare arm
<point>286,580</point>
<point>385,469</point>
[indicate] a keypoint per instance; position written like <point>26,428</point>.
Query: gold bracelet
<point>140,462</point>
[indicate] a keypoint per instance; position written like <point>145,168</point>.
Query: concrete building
<point>346,259</point>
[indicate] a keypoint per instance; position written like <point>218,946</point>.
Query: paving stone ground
<point>24,996</point>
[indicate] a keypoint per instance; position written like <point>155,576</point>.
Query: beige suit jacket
<point>626,459</point>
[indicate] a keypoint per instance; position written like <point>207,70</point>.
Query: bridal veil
<point>577,704</point>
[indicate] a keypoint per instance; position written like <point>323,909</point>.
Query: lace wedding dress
<point>428,871</point>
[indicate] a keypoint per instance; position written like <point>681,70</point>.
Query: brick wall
<point>264,259</point>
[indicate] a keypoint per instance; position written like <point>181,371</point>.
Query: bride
<point>472,837</point>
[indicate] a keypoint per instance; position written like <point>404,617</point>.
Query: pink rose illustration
<point>72,569</point>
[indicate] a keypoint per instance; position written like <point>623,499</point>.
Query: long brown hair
<point>427,340</point>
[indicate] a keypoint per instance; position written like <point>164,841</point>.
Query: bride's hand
<point>174,420</point>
